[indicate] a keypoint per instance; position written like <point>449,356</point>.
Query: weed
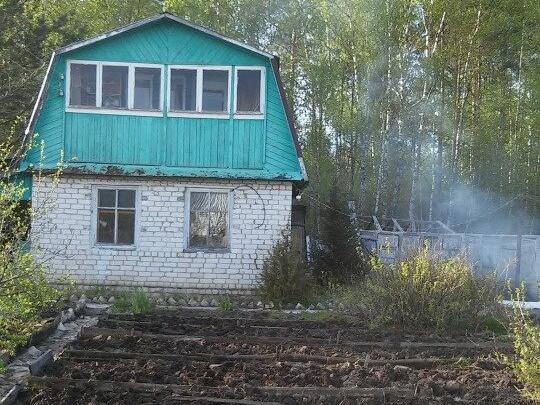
<point>225,303</point>
<point>136,301</point>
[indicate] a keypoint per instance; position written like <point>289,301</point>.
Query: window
<point>249,91</point>
<point>215,91</point>
<point>147,88</point>
<point>198,89</point>
<point>114,87</point>
<point>208,220</point>
<point>115,217</point>
<point>82,85</point>
<point>183,89</point>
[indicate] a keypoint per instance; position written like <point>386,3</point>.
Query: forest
<point>415,109</point>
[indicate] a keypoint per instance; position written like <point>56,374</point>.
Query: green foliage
<point>225,303</point>
<point>526,337</point>
<point>425,291</point>
<point>136,301</point>
<point>337,255</point>
<point>285,278</point>
<point>24,291</point>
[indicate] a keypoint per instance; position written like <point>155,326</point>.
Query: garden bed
<point>181,358</point>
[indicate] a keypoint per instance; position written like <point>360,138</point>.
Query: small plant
<point>526,338</point>
<point>285,278</point>
<point>425,290</point>
<point>225,303</point>
<point>136,301</point>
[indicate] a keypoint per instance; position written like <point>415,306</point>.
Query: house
<point>179,160</point>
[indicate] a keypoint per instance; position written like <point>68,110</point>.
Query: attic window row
<point>122,87</point>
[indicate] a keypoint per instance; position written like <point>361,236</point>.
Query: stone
<point>111,300</point>
<point>214,302</point>
<point>171,301</point>
<point>193,303</point>
<point>73,298</point>
<point>33,351</point>
<point>270,305</point>
<point>83,298</point>
<point>102,299</point>
<point>95,300</point>
<point>452,386</point>
<point>399,369</point>
<point>96,309</point>
<point>61,327</point>
<point>299,306</point>
<point>260,304</point>
<point>204,303</point>
<point>68,315</point>
<point>311,307</point>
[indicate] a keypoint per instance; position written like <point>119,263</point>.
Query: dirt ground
<point>205,357</point>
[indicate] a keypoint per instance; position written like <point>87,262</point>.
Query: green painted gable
<point>169,146</point>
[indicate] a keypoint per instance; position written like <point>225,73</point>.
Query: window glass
<point>147,88</point>
<point>208,220</point>
<point>116,217</point>
<point>215,90</point>
<point>248,91</point>
<point>114,87</point>
<point>82,90</point>
<point>183,89</point>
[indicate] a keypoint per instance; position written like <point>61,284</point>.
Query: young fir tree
<point>338,256</point>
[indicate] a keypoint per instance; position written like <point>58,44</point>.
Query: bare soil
<point>190,357</point>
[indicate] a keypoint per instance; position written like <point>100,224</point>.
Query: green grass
<point>136,301</point>
<point>225,303</point>
<point>326,315</point>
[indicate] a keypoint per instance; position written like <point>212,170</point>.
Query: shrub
<point>526,338</point>
<point>285,278</point>
<point>136,301</point>
<point>24,291</point>
<point>425,290</point>
<point>337,255</point>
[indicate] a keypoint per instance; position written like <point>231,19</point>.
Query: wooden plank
<point>283,357</point>
<point>305,392</point>
<point>89,332</point>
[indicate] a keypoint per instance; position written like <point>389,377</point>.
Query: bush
<point>285,279</point>
<point>225,303</point>
<point>136,301</point>
<point>24,291</point>
<point>337,256</point>
<point>425,290</point>
<point>526,338</point>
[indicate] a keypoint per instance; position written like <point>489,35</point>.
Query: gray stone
<point>204,303</point>
<point>270,305</point>
<point>182,302</point>
<point>111,300</point>
<point>214,302</point>
<point>299,306</point>
<point>193,303</point>
<point>61,327</point>
<point>102,300</point>
<point>401,369</point>
<point>96,309</point>
<point>33,351</point>
<point>83,298</point>
<point>171,301</point>
<point>73,298</point>
<point>95,300</point>
<point>260,304</point>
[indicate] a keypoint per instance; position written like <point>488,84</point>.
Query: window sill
<point>112,111</point>
<point>207,250</point>
<point>249,116</point>
<point>186,114</point>
<point>114,247</point>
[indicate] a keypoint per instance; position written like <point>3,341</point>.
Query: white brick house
<point>178,173</point>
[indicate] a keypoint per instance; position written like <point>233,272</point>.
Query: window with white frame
<point>114,86</point>
<point>115,216</point>
<point>199,89</point>
<point>249,95</point>
<point>208,220</point>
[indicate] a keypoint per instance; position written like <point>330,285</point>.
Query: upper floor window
<point>249,91</point>
<point>196,89</point>
<point>114,86</point>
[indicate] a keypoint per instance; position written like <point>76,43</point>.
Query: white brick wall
<point>63,236</point>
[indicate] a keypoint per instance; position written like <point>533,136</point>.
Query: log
<point>94,331</point>
<point>285,357</point>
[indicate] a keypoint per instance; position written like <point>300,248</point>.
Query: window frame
<point>187,218</point>
<point>95,205</point>
<point>199,113</point>
<point>98,109</point>
<point>262,94</point>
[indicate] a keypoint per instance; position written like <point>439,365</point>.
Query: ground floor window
<point>208,220</point>
<point>115,216</point>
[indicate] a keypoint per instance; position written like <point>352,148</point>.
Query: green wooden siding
<point>168,145</point>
